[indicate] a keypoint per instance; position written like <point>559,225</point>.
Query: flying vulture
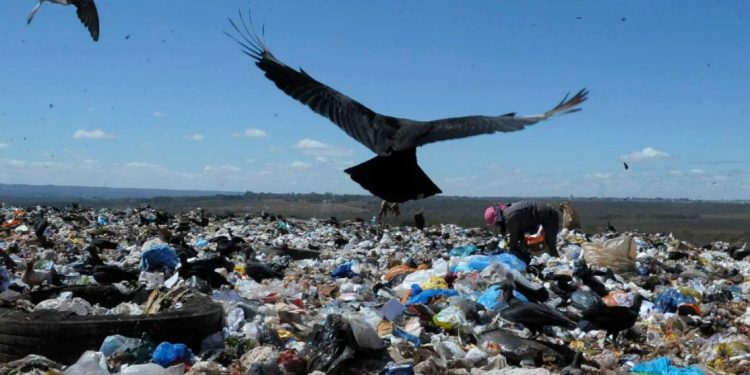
<point>86,10</point>
<point>392,175</point>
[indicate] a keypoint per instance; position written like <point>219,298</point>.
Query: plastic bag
<point>347,270</point>
<point>463,251</point>
<point>491,300</point>
<point>435,282</point>
<point>512,261</point>
<point>66,302</point>
<point>153,369</point>
<point>617,254</point>
<point>663,366</point>
<point>418,295</point>
<point>586,301</point>
<point>394,369</point>
<point>670,300</point>
<point>400,333</point>
<point>116,344</point>
<point>397,270</point>
<point>159,256</point>
<point>90,363</point>
<point>167,354</point>
<point>480,262</point>
<point>449,317</point>
<point>365,334</point>
<point>449,350</point>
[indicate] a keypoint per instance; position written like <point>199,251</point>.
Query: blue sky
<point>176,105</point>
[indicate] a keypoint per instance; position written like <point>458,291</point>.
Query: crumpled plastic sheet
<point>663,366</point>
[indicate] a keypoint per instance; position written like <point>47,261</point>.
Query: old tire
<point>64,338</point>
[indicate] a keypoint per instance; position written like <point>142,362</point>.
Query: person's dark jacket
<point>525,217</point>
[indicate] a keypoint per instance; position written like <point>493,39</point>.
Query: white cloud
<point>310,144</point>
<point>249,160</point>
<point>138,164</point>
<point>312,147</point>
<point>4,145</point>
<point>697,171</point>
<point>299,165</point>
<point>599,175</point>
<point>676,172</point>
<point>321,159</point>
<point>195,137</point>
<point>254,133</point>
<point>648,153</point>
<point>15,163</point>
<point>159,114</point>
<point>221,168</point>
<point>92,134</point>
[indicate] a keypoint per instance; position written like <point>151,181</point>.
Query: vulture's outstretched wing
<point>461,127</point>
<point>351,116</point>
<point>88,15</point>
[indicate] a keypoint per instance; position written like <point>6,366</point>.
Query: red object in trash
<point>535,239</point>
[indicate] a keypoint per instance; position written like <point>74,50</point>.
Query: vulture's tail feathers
<point>568,105</point>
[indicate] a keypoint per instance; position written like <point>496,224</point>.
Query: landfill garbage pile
<point>139,291</point>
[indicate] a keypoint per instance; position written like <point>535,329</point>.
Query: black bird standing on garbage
<point>40,227</point>
<point>7,261</point>
<point>534,316</point>
<point>205,269</point>
<point>104,273</point>
<point>610,228</point>
<point>614,319</point>
<point>393,174</point>
<point>587,276</point>
<point>86,10</point>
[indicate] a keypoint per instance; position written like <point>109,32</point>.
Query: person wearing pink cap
<point>517,219</point>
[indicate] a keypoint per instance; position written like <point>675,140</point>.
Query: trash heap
<point>140,291</point>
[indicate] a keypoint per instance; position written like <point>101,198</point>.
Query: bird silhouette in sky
<point>392,175</point>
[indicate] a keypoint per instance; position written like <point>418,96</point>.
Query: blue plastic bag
<point>463,251</point>
<point>394,369</point>
<point>512,261</point>
<point>200,243</point>
<point>423,296</point>
<point>101,220</point>
<point>670,299</point>
<point>490,299</point>
<point>480,262</point>
<point>344,270</point>
<point>663,366</point>
<point>400,333</point>
<point>160,256</point>
<point>167,354</point>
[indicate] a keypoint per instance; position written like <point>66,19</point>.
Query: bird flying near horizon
<point>86,10</point>
<point>392,175</point>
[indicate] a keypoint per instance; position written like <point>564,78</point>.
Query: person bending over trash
<point>517,219</point>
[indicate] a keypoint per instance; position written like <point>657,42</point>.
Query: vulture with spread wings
<point>86,10</point>
<point>393,174</point>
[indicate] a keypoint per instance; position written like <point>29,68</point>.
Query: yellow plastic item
<point>435,282</point>
<point>285,335</point>
<point>239,268</point>
<point>690,292</point>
